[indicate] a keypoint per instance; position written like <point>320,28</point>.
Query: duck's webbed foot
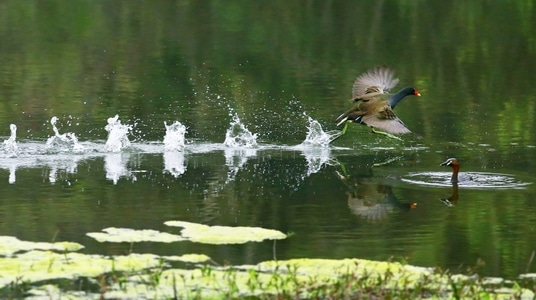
<point>386,134</point>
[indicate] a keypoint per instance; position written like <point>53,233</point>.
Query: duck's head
<point>408,91</point>
<point>450,162</point>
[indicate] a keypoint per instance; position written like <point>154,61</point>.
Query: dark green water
<point>274,64</point>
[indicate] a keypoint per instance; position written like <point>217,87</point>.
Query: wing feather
<point>378,80</point>
<point>385,119</point>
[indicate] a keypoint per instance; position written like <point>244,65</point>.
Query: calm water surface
<point>274,65</point>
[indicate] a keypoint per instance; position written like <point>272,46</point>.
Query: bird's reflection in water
<point>453,199</point>
<point>370,198</point>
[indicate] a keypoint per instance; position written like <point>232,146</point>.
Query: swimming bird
<point>453,162</point>
<point>374,105</point>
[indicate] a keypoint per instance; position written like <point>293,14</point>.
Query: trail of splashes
<point>174,138</point>
<point>238,136</point>
<point>59,141</point>
<point>10,145</point>
<point>118,134</point>
<point>316,136</point>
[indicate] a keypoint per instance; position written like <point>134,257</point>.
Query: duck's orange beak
<point>417,93</point>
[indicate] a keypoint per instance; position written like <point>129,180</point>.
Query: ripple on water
<point>475,180</point>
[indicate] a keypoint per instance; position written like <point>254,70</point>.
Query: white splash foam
<point>117,135</point>
<point>174,138</point>
<point>317,136</point>
<point>65,141</point>
<point>238,136</point>
<point>10,145</point>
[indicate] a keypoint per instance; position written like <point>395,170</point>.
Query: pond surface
<point>257,87</point>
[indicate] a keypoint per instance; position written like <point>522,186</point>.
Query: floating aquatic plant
<point>192,231</point>
<point>128,235</point>
<point>10,245</point>
<point>225,234</point>
<point>302,279</point>
<point>37,265</point>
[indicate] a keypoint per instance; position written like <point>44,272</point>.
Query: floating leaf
<point>189,258</point>
<point>128,235</point>
<point>39,265</point>
<point>10,245</point>
<point>225,234</point>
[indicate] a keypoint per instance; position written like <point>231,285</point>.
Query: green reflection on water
<point>193,61</point>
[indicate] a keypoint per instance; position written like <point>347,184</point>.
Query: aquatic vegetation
<point>297,278</point>
<point>120,235</point>
<point>38,265</point>
<point>10,245</point>
<point>193,232</point>
<point>149,276</point>
<point>188,258</point>
<point>225,234</point>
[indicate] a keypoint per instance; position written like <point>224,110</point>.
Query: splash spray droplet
<point>238,136</point>
<point>117,134</point>
<point>10,145</point>
<point>317,136</point>
<point>174,138</point>
<point>61,141</point>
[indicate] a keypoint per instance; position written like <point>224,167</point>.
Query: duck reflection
<point>371,199</point>
<point>453,199</point>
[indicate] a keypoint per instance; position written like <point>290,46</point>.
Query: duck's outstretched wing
<point>385,119</point>
<point>378,80</point>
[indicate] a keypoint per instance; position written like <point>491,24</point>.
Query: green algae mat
<point>56,270</point>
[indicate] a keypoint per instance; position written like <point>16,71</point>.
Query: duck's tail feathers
<point>348,116</point>
<point>341,119</point>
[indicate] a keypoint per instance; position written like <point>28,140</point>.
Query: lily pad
<point>128,235</point>
<point>225,234</point>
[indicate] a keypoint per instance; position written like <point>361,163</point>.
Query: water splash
<point>10,145</point>
<point>315,147</point>
<point>65,141</point>
<point>238,136</point>
<point>317,136</point>
<point>117,134</point>
<point>174,138</point>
